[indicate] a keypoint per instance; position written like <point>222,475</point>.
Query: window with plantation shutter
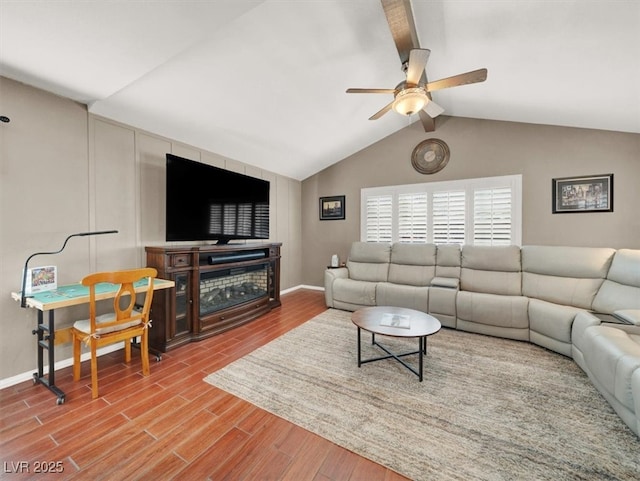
<point>486,211</point>
<point>449,217</point>
<point>412,217</point>
<point>492,216</point>
<point>378,216</point>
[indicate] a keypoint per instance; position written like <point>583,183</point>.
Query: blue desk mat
<point>72,291</point>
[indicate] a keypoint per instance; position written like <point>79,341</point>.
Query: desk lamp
<point>23,298</point>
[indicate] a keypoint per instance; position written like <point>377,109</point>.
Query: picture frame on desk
<point>41,279</point>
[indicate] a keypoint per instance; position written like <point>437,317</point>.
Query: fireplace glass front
<point>224,288</point>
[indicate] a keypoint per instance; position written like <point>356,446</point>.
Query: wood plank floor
<point>171,424</point>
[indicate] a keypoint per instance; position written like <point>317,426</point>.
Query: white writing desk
<point>66,296</point>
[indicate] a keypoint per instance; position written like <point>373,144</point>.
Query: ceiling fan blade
<point>371,91</point>
<point>428,123</point>
<point>433,109</point>
<point>402,26</point>
<point>461,79</point>
<point>381,112</point>
<point>417,62</point>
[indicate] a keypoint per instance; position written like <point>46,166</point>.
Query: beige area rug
<point>488,408</point>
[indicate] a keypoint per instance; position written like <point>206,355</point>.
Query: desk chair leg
<point>94,370</point>
<point>77,351</point>
<point>144,353</point>
<point>127,351</point>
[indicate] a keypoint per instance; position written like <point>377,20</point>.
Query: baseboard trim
<point>26,376</point>
<point>302,286</point>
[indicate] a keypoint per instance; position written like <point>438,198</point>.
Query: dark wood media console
<point>217,288</point>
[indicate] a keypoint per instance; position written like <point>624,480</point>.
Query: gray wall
<point>484,148</point>
<point>63,171</point>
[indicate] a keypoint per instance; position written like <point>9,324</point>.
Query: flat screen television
<point>209,203</point>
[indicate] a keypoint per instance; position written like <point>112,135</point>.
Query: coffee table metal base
<point>422,350</point>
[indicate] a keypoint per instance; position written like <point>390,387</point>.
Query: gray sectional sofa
<point>582,302</point>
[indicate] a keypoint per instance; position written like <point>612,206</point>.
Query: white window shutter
<point>449,217</point>
<point>412,217</point>
<point>379,214</point>
<point>492,216</point>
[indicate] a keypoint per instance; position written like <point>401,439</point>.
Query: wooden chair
<point>123,324</point>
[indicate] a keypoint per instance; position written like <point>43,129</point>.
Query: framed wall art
<point>593,193</point>
<point>332,208</point>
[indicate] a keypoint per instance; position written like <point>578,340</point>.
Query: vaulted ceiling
<point>264,82</point>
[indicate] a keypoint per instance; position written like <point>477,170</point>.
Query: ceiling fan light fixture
<point>410,101</point>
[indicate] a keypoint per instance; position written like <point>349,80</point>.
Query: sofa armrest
<point>330,275</point>
<point>635,392</point>
<point>449,282</point>
<point>628,316</point>
<point>581,322</point>
<point>336,273</point>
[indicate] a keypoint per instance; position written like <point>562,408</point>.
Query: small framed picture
<point>332,208</point>
<point>40,279</point>
<point>593,193</point>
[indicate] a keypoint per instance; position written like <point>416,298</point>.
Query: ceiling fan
<point>413,95</point>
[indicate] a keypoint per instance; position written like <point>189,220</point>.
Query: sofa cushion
<point>625,267</point>
<point>494,310</point>
<point>612,357</point>
<point>448,282</point>
<point>564,275</point>
<point>412,264</point>
<point>561,290</point>
<point>491,258</point>
<point>550,325</point>
<point>369,261</point>
<point>448,260</point>
<point>411,297</point>
<point>613,297</point>
<point>491,269</point>
<point>84,325</point>
<point>621,288</point>
<point>351,291</point>
<point>580,262</point>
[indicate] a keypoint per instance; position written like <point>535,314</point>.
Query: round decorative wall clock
<point>430,156</point>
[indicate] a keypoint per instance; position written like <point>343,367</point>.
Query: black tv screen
<point>209,203</point>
